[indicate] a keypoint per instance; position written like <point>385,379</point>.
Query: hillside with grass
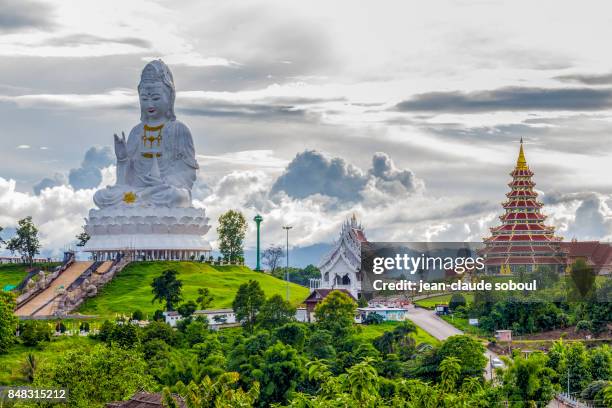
<point>131,288</point>
<point>13,274</point>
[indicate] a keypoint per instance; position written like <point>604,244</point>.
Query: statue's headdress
<point>157,71</point>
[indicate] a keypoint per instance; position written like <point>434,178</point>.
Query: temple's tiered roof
<point>522,238</point>
<point>347,247</point>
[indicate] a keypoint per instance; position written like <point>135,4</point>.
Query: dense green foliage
<point>301,276</point>
<point>280,362</point>
<point>33,332</point>
<point>8,321</point>
<point>249,299</point>
<point>580,298</point>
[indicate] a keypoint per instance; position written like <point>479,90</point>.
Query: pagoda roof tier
<point>536,250</point>
<point>521,173</point>
<point>523,238</point>
<point>517,203</point>
<point>521,227</point>
<point>511,247</point>
<point>512,216</point>
<point>509,229</point>
<point>521,193</point>
<point>525,260</point>
<point>521,183</point>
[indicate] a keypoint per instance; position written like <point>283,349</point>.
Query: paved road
<point>441,330</point>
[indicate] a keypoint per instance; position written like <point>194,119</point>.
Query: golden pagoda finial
<point>521,163</point>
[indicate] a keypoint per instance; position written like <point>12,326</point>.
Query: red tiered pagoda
<point>522,240</point>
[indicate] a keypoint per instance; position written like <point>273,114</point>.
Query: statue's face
<point>154,101</point>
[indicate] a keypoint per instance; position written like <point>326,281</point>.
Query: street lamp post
<point>258,219</point>
<point>287,228</point>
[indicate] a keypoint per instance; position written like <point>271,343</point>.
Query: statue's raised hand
<point>120,147</point>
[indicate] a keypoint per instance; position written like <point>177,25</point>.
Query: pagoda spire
<point>521,162</point>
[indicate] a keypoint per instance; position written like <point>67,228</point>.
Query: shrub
<point>137,315</point>
<point>456,300</point>
<point>583,326</point>
<point>34,332</point>
<point>374,318</point>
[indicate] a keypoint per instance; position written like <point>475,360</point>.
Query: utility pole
<point>258,219</point>
<point>287,228</point>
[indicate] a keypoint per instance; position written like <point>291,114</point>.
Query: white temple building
<point>340,267</point>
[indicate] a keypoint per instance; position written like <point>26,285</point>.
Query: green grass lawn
<point>13,274</point>
<point>11,363</point>
<point>131,288</point>
<point>372,331</point>
<point>462,324</point>
<point>431,302</point>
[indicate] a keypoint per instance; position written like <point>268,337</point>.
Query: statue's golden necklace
<point>151,138</point>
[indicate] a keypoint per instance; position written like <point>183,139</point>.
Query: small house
<point>503,335</point>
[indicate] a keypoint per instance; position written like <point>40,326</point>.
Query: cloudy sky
<point>408,114</point>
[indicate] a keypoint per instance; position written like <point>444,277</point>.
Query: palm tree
<point>449,370</point>
<point>28,368</point>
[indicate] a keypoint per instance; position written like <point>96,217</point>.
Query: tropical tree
<point>167,288</point>
<point>213,394</point>
<point>576,367</point>
<point>249,299</point>
<point>28,367</point>
<point>231,231</point>
<point>529,380</point>
<point>456,300</point>
<point>583,279</point>
<point>186,309</point>
<point>8,321</point>
<point>25,240</point>
<point>275,312</point>
<point>449,371</point>
<point>399,341</point>
<point>336,313</point>
<point>281,372</point>
<point>469,352</point>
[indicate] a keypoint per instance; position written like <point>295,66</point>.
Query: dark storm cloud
<point>557,197</point>
<point>74,40</point>
<point>581,133</point>
<point>510,99</point>
<point>587,79</point>
<point>311,172</point>
<point>16,15</point>
<point>57,180</point>
<point>89,175</point>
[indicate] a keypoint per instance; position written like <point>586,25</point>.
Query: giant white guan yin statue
<point>149,207</point>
